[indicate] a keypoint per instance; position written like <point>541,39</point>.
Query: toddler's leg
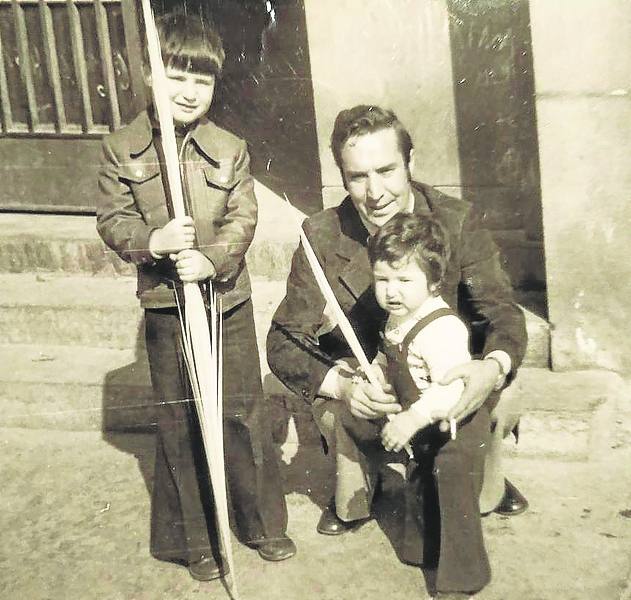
<point>454,514</point>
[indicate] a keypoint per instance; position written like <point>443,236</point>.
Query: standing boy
<point>133,219</point>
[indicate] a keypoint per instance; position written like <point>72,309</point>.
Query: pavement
<point>76,458</point>
<point>75,516</point>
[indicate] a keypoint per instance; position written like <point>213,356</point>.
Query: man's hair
<point>189,43</point>
<point>412,237</point>
<point>363,119</point>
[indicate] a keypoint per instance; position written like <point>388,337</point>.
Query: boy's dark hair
<point>413,237</point>
<point>189,43</point>
<point>363,119</point>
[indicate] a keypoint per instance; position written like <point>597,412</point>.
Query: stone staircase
<point>71,342</point>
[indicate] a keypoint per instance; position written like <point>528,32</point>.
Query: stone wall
<point>582,59</point>
<point>371,51</point>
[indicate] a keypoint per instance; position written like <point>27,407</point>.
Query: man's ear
<point>343,179</point>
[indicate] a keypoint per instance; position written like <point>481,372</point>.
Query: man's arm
<point>489,297</point>
<point>293,351</point>
<point>489,294</point>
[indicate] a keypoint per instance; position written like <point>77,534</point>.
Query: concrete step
<point>102,312</point>
<point>71,245</point>
<point>47,308</point>
<point>78,388</point>
<point>575,413</point>
<point>84,388</point>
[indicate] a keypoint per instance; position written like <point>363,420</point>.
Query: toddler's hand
<point>399,430</point>
<point>192,265</point>
<point>176,235</point>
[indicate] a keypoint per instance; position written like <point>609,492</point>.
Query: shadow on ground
<point>127,408</point>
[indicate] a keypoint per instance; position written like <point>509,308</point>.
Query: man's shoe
<point>331,524</point>
<point>205,569</point>
<point>513,503</point>
<point>276,549</point>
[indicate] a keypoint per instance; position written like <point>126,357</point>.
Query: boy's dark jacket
<point>300,354</point>
<point>219,191</point>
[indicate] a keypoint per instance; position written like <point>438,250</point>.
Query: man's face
<point>375,175</point>
<point>190,94</point>
<point>400,289</point>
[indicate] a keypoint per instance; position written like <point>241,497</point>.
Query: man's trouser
<point>357,474</point>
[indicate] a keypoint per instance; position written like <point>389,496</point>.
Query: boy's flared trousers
<point>182,508</point>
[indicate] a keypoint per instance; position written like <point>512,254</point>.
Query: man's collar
<point>145,126</point>
<point>420,203</point>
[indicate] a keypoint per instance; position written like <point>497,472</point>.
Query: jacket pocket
<point>145,183</point>
<point>139,173</point>
<point>222,176</point>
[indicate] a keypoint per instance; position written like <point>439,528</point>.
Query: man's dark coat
<point>474,284</point>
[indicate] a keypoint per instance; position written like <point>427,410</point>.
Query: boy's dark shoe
<point>331,524</point>
<point>513,502</point>
<point>205,569</point>
<point>276,549</point>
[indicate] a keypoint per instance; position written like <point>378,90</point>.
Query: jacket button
<point>305,392</point>
<point>138,172</point>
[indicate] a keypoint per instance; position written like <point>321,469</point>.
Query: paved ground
<point>75,524</point>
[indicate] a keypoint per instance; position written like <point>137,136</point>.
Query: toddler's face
<point>402,288</point>
<point>190,93</point>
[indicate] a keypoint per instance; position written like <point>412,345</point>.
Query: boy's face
<point>402,288</point>
<point>190,93</point>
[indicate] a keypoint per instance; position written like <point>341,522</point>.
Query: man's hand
<point>192,265</point>
<point>176,235</point>
<point>480,378</point>
<point>366,401</point>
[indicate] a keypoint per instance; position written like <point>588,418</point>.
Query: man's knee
<point>506,414</point>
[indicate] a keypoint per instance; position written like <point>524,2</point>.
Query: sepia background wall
<point>521,107</point>
<point>583,83</point>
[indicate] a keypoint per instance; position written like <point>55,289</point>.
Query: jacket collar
<point>421,200</point>
<point>354,235</point>
<point>145,126</point>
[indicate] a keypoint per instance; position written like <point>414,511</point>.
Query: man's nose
<point>374,187</point>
